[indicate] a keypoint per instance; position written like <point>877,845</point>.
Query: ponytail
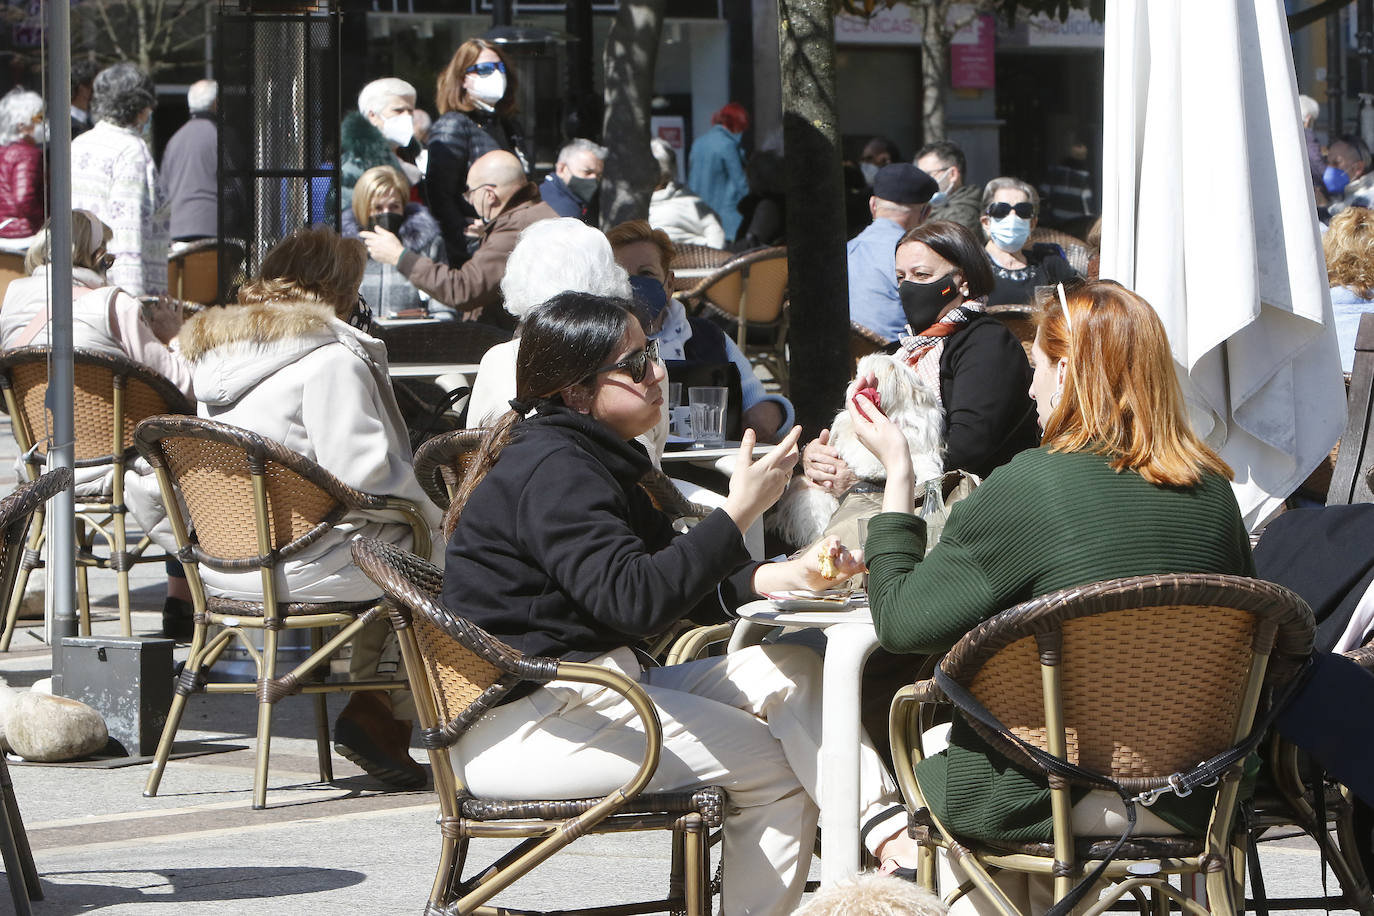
<point>496,439</point>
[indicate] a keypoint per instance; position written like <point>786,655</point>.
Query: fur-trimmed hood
<point>233,348</point>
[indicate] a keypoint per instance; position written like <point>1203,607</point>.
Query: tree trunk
<point>631,55</point>
<point>819,336</point>
<point>935,39</point>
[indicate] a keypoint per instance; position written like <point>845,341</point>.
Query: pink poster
<point>971,64</point>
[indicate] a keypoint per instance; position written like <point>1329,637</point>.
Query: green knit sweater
<point>1043,522</point>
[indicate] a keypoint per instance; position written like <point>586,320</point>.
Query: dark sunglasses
<point>1025,209</point>
<point>105,262</point>
<point>636,365</point>
<point>487,69</point>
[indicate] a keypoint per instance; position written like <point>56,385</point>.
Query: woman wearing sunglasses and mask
<point>977,366</point>
<point>555,550</point>
<point>1010,212</point>
<point>476,96</point>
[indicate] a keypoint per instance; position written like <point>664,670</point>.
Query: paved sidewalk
<point>341,848</point>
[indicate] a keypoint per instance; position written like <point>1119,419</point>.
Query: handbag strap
<point>1181,784</point>
<point>40,318</point>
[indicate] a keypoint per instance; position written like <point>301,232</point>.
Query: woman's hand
<point>164,316</point>
<point>382,245</point>
<point>824,467</point>
<point>884,439</point>
<point>756,485</point>
<point>803,570</point>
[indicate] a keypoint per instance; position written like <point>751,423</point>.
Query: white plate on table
<point>803,600</point>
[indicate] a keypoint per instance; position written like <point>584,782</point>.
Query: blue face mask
<point>650,295</point>
<point>1010,232</point>
<point>1335,179</point>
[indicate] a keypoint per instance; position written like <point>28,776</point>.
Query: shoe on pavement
<point>369,736</point>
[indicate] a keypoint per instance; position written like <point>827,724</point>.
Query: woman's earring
<point>1054,399</point>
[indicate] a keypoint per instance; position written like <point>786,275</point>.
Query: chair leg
<point>452,854</point>
<point>321,702</point>
<point>266,676</point>
<point>119,559</point>
<point>32,544</point>
<point>197,662</point>
<point>696,867</point>
<point>14,846</point>
<point>83,592</point>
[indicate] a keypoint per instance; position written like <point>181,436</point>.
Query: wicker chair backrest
<point>15,512</point>
<point>96,375</point>
<point>213,465</point>
<point>1152,669</point>
<point>766,290</point>
<point>441,463</point>
<point>465,669</point>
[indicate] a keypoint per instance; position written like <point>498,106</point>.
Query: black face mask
<point>584,189</point>
<point>922,302</point>
<point>391,222</point>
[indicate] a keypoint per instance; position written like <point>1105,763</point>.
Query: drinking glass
<point>707,405</point>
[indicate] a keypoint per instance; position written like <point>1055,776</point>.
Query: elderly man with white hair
<point>572,186</point>
<point>380,132</point>
<point>190,167</point>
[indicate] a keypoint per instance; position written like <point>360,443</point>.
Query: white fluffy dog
<point>805,509</point>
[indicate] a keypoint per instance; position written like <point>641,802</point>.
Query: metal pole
<point>1335,77</point>
<point>61,535</point>
<point>1364,38</point>
<point>502,12</point>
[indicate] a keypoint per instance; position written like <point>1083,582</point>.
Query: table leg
<point>847,648</point>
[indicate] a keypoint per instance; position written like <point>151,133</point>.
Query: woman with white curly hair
<point>21,163</point>
<point>114,176</point>
<point>552,256</point>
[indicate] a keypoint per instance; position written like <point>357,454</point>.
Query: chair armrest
<point>689,645</point>
<point>904,734</point>
<point>1363,656</point>
<point>422,539</point>
<point>634,693</point>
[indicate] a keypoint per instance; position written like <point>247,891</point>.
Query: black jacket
<point>456,140</point>
<point>984,385</point>
<point>559,552</point>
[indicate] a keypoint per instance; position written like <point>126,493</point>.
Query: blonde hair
<point>1121,396</point>
<point>310,265</point>
<point>371,185</point>
<point>1349,248</point>
<point>89,235</point>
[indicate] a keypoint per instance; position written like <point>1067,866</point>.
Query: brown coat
<point>477,284</point>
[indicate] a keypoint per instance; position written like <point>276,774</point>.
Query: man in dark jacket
<point>507,202</point>
<point>572,186</point>
<point>190,169</point>
<point>956,201</point>
<point>83,82</point>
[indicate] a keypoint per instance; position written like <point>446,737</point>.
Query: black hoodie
<point>559,552</point>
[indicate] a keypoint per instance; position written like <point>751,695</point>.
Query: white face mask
<point>40,132</point>
<point>488,89</point>
<point>399,129</point>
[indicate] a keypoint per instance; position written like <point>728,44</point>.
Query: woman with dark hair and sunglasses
<point>1011,209</point>
<point>555,550</point>
<point>290,363</point>
<point>975,365</point>
<point>476,95</point>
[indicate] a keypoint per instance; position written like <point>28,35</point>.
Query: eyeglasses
<point>1025,209</point>
<point>636,365</point>
<point>105,262</point>
<point>467,193</point>
<point>487,69</point>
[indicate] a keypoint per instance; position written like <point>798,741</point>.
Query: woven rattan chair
<point>749,293</point>
<point>193,273</point>
<point>1020,320</point>
<point>111,395</point>
<point>1136,679</point>
<point>441,463</point>
<point>1076,251</point>
<point>458,672</point>
<point>17,512</point>
<point>691,261</point>
<point>864,341</point>
<point>252,504</point>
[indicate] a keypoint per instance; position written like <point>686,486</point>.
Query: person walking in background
<point>716,166</point>
<point>190,168</point>
<point>956,200</point>
<point>114,176</point>
<point>83,79</point>
<point>21,163</point>
<point>476,97</point>
<point>676,210</point>
<point>572,185</point>
<point>376,134</point>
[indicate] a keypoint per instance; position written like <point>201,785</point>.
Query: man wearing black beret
<point>900,201</point>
